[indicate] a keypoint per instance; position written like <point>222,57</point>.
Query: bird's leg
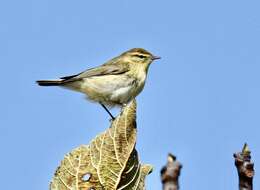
<point>107,111</point>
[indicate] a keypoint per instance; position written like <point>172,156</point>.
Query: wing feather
<point>110,68</point>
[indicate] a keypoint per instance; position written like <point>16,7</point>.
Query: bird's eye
<point>141,56</point>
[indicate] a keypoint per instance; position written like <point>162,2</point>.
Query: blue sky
<point>201,101</point>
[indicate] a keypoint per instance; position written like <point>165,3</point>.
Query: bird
<point>115,83</point>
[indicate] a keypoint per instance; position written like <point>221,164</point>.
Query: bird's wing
<point>106,69</point>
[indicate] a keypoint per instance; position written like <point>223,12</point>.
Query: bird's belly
<point>125,94</point>
<point>112,90</point>
<point>121,94</point>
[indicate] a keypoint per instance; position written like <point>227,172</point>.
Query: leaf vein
<point>64,183</point>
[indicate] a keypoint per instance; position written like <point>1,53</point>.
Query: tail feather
<point>50,82</point>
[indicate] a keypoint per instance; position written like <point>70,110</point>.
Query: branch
<point>170,174</point>
<point>245,168</point>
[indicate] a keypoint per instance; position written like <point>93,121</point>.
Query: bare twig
<point>170,174</point>
<point>245,168</point>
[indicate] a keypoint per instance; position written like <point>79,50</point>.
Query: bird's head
<point>139,56</point>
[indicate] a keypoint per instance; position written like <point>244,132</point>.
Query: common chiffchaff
<point>114,83</point>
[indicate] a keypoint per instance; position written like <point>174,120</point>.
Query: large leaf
<point>109,162</point>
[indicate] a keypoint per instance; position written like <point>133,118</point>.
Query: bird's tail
<point>50,82</point>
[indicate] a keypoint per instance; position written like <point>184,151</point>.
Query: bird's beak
<point>155,57</point>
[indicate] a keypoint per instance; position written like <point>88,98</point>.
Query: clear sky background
<point>201,100</point>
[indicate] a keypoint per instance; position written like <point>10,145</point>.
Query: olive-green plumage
<point>116,82</point>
